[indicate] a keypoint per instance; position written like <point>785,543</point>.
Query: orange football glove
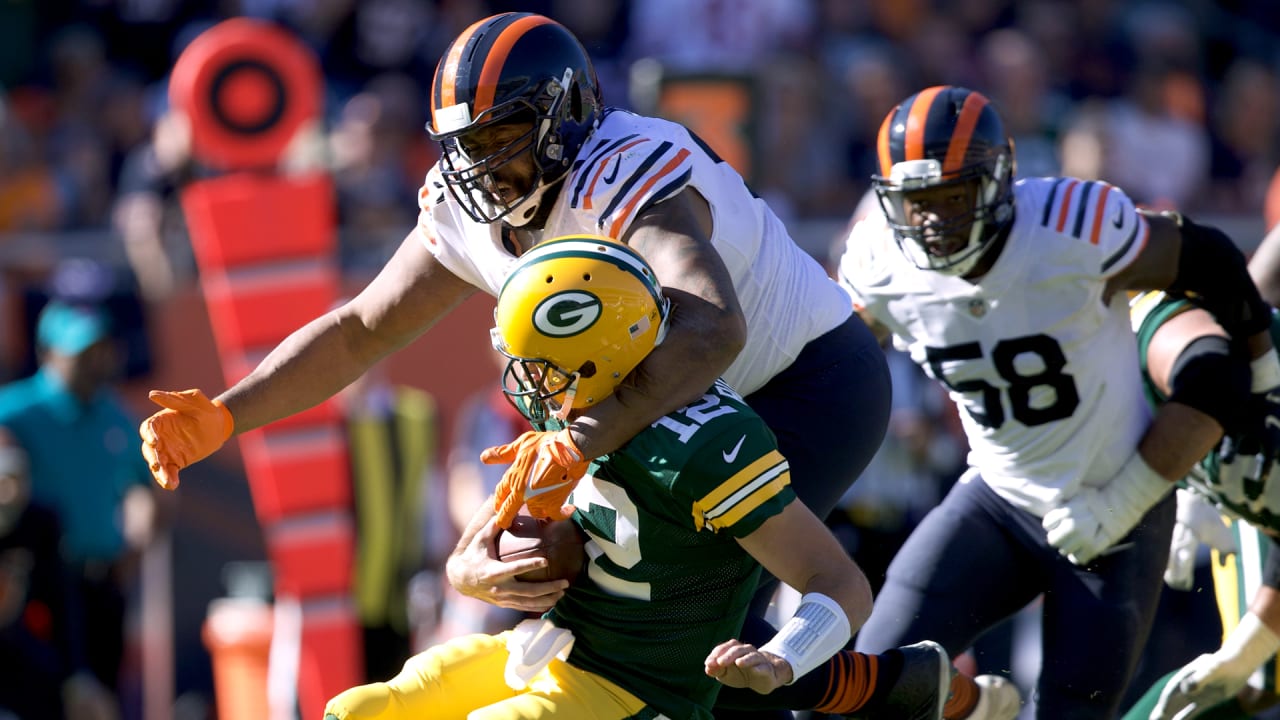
<point>189,428</point>
<point>545,467</point>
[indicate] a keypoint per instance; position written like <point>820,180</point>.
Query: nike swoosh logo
<point>1118,221</point>
<point>608,179</point>
<point>535,492</point>
<point>1272,421</point>
<point>731,455</point>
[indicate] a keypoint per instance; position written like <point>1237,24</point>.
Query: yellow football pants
<point>463,679</point>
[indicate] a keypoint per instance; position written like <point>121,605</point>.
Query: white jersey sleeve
<point>619,179</point>
<point>1098,213</point>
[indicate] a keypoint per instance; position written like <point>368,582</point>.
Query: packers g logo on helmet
<point>567,313</point>
<point>574,317</point>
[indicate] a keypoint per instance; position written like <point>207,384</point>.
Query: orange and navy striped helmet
<point>512,68</point>
<point>945,135</point>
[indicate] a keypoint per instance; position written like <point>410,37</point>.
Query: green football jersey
<point>666,580</point>
<point>1227,486</point>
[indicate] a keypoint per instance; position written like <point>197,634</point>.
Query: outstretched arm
<point>406,298</point>
<point>316,361</point>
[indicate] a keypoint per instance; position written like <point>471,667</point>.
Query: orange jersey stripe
<point>1066,204</point>
<point>448,91</point>
<point>1096,234</point>
<point>586,200</point>
<point>631,206</point>
<point>916,120</point>
<point>492,70</point>
<point>968,120</point>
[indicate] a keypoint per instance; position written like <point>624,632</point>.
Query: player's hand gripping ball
<point>559,541</point>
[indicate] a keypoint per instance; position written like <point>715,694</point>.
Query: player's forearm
<point>703,340</point>
<point>307,368</point>
<point>1177,438</point>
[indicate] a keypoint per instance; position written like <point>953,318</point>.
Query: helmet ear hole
<point>588,369</point>
<point>586,277</point>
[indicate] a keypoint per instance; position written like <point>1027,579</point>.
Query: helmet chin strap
<point>566,407</point>
<point>523,213</point>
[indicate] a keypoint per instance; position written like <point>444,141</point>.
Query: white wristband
<point>1136,487</point>
<point>1265,371</point>
<point>1250,644</point>
<point>818,630</point>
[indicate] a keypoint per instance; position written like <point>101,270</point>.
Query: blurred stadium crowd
<point>1176,102</point>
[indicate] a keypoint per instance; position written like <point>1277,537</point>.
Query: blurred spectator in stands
<point>1013,73</point>
<point>41,633</point>
<point>379,36</point>
<point>1158,145</point>
<point>78,436</point>
<point>941,52</point>
<point>708,36</point>
<point>871,77</point>
<point>147,215</point>
<point>797,176</point>
<point>29,198</point>
<point>1245,127</point>
<point>380,156</point>
<point>78,145</point>
<point>1084,143</point>
<point>1050,25</point>
<point>1159,158</point>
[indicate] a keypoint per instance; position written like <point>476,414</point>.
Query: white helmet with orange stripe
<point>514,98</point>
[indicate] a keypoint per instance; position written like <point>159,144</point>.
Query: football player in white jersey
<point>531,152</point>
<point>1011,294</point>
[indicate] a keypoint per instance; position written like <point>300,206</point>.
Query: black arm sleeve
<point>1209,377</point>
<point>1213,269</point>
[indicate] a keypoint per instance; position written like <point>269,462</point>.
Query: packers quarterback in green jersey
<point>679,522</point>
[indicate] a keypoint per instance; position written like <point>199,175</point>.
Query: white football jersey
<point>629,164</point>
<point>1045,373</point>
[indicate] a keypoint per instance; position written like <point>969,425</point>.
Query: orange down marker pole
<point>265,246</point>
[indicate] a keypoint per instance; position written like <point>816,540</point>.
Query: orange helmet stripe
<point>916,121</point>
<point>487,87</point>
<point>448,75</point>
<point>882,144</point>
<point>959,147</point>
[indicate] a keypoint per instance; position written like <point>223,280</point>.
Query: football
<point>560,541</point>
